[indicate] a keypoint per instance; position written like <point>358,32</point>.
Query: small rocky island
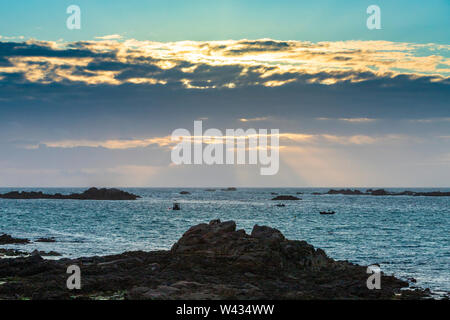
<point>211,261</point>
<point>90,194</point>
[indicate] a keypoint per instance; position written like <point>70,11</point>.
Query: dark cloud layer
<point>347,93</point>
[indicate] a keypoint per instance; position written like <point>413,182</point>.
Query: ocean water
<point>408,236</point>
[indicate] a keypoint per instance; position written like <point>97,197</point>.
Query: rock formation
<point>382,192</point>
<point>7,239</point>
<point>284,197</point>
<point>90,194</point>
<point>210,261</point>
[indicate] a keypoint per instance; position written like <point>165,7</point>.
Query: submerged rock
<point>45,240</point>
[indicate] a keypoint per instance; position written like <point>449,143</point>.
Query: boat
<point>176,206</point>
<point>327,212</point>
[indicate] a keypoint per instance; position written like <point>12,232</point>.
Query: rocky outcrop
<point>382,192</point>
<point>345,191</point>
<point>7,239</point>
<point>284,197</point>
<point>90,194</point>
<point>45,253</point>
<point>11,253</point>
<point>229,189</point>
<point>265,247</point>
<point>17,253</point>
<point>211,260</point>
<point>185,192</point>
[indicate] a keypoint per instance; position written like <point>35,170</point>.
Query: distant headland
<point>382,192</point>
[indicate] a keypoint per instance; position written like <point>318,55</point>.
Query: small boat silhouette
<point>327,212</point>
<point>176,206</point>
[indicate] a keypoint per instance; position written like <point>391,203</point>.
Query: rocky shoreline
<point>210,261</point>
<point>90,194</point>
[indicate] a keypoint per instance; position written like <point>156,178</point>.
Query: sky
<point>96,106</point>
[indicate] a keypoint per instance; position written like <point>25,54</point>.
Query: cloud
<point>286,139</point>
<point>253,119</point>
<point>110,37</point>
<point>350,120</point>
<point>431,120</point>
<point>109,144</point>
<point>227,64</point>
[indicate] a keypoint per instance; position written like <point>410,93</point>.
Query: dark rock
<point>7,239</point>
<point>411,279</point>
<point>45,240</point>
<point>345,191</point>
<point>229,189</point>
<point>382,192</point>
<point>185,192</point>
<point>210,261</point>
<point>284,197</point>
<point>327,212</point>
<point>263,232</point>
<point>45,254</point>
<point>11,252</point>
<point>90,194</point>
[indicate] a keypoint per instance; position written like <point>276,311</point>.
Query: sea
<point>408,236</point>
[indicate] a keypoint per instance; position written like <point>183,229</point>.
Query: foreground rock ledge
<point>210,261</point>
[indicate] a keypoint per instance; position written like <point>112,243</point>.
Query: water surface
<point>408,236</point>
